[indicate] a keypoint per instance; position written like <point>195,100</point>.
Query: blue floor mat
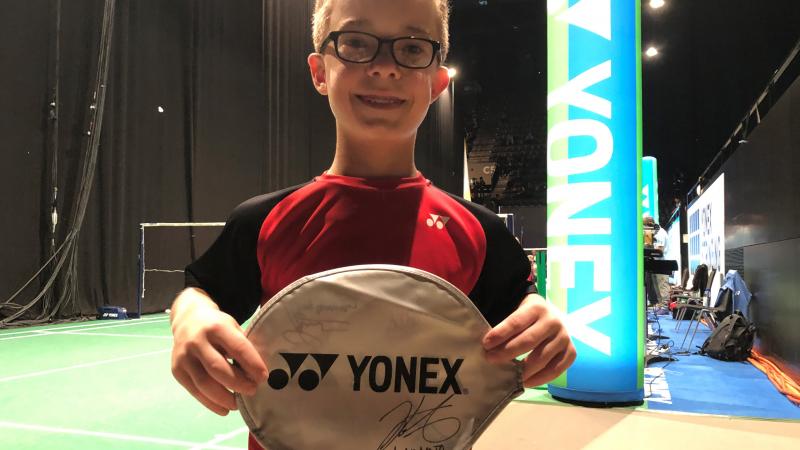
<point>700,384</point>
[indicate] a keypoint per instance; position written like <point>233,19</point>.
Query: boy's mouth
<point>381,101</point>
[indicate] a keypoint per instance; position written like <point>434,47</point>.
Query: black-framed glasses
<point>359,47</point>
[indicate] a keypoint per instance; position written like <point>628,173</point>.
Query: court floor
<point>107,385</point>
<point>102,385</point>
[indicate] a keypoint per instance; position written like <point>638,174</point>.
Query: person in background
<point>660,282</point>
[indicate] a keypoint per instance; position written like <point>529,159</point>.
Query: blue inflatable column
<point>594,204</point>
<point>650,187</point>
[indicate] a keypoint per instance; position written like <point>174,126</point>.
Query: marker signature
<point>418,420</point>
<point>312,331</point>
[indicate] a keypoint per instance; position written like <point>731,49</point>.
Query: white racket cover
<point>374,357</point>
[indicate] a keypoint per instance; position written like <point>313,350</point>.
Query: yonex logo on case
<point>437,221</point>
<point>308,379</point>
<point>378,373</point>
<point>410,374</point>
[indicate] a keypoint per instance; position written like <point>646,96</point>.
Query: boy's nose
<point>384,64</point>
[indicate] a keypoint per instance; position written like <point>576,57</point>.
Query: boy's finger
<point>540,357</point>
<point>236,346</point>
<point>209,404</point>
<point>532,338</point>
<point>210,388</point>
<point>553,369</point>
<point>186,381</point>
<point>514,324</point>
<point>226,374</point>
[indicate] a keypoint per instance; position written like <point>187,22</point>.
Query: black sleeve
<point>503,282</point>
<point>228,271</point>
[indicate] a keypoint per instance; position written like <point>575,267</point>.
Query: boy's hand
<point>534,327</point>
<point>204,339</point>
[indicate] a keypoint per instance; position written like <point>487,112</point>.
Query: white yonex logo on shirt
<point>438,221</point>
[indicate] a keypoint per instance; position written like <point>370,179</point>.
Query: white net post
<point>143,269</point>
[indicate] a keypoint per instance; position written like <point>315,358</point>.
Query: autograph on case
<point>418,420</point>
<point>310,329</point>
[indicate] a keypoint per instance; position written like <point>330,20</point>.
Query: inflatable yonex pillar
<point>541,271</point>
<point>650,187</point>
<point>594,225</point>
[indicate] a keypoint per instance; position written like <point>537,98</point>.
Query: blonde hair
<point>322,15</point>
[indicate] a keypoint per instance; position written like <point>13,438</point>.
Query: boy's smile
<point>381,101</point>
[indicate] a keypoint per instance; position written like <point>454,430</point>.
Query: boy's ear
<point>439,83</point>
<point>317,67</point>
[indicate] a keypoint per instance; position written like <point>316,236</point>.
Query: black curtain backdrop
<point>209,102</point>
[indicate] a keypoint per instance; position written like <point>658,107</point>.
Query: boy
<point>379,62</point>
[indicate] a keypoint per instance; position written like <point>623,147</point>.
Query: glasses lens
<point>357,47</point>
<point>412,52</point>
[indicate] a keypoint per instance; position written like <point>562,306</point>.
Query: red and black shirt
<point>335,221</point>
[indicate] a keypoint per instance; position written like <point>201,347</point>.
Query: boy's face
<point>379,100</point>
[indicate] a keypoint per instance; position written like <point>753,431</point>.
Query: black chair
<point>713,314</point>
<point>698,295</point>
<point>678,289</point>
<point>684,278</point>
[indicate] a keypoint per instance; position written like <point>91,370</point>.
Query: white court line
<point>78,333</point>
<point>81,366</point>
<point>219,438</point>
<point>116,436</point>
<point>39,333</point>
<point>88,324</point>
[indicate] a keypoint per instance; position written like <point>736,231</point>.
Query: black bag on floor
<point>732,340</point>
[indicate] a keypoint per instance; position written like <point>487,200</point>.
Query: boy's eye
<point>355,42</point>
<point>412,48</point>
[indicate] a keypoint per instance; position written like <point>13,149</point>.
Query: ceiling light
<point>452,73</point>
<point>651,52</point>
<point>655,4</point>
